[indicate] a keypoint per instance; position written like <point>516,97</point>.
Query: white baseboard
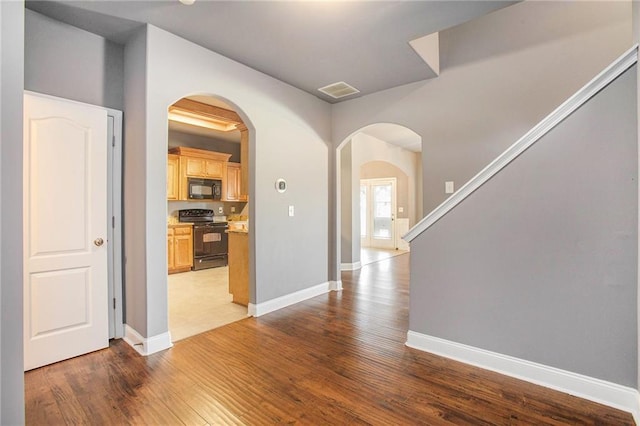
<point>603,392</point>
<point>147,346</point>
<point>256,310</point>
<point>350,266</point>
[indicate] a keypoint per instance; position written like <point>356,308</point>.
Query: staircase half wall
<point>535,261</point>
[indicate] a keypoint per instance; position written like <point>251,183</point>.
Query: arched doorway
<point>383,149</point>
<point>207,215</point>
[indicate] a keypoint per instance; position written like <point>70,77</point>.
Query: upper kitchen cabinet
<point>199,163</point>
<point>203,167</point>
<point>203,127</point>
<point>233,183</point>
<point>173,176</point>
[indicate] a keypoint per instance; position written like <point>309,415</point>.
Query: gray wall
<point>65,61</point>
<point>540,263</point>
<point>636,39</point>
<point>177,138</point>
<point>349,246</point>
<point>289,138</point>
<point>11,100</point>
<point>500,75</point>
<point>134,182</point>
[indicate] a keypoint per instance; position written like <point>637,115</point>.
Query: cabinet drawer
<point>182,230</point>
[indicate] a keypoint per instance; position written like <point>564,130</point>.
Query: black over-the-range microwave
<point>205,189</point>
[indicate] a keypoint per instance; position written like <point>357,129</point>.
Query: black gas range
<point>210,241</point>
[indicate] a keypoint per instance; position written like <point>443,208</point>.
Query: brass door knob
<point>98,242</point>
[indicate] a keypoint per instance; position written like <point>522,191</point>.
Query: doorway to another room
<point>207,216</point>
<point>380,175</point>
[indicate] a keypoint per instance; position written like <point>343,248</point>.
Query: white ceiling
<point>308,44</point>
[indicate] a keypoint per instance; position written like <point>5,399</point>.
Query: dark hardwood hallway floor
<point>333,360</point>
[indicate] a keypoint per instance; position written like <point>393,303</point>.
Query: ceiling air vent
<point>338,90</point>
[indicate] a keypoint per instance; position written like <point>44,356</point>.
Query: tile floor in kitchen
<point>200,301</point>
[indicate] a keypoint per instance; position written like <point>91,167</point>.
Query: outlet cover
<point>220,210</point>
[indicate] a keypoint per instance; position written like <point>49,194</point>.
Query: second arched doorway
<point>380,191</point>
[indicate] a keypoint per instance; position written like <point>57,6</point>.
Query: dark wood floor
<point>333,360</point>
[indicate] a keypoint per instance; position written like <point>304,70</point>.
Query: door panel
<point>65,205</point>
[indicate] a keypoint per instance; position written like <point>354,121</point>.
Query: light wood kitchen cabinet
<point>202,167</point>
<point>179,248</point>
<point>199,163</point>
<point>233,182</point>
<point>239,267</point>
<point>173,176</point>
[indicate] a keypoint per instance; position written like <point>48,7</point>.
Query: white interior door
<point>65,230</point>
<point>377,213</point>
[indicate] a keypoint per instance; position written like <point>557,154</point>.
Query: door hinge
<point>113,222</point>
<point>114,303</point>
<point>113,140</point>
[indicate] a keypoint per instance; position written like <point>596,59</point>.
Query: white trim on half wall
<point>256,310</point>
<point>146,346</point>
<point>592,389</point>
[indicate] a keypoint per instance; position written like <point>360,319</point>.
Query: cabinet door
<point>183,250</point>
<point>173,176</point>
<point>233,182</point>
<point>195,167</point>
<point>213,169</point>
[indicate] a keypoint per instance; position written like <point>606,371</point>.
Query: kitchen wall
<point>174,206</point>
<point>540,263</point>
<point>11,279</point>
<point>65,61</point>
<point>289,138</point>
<point>177,138</point>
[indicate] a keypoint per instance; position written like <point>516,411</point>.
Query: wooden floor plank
<point>335,359</point>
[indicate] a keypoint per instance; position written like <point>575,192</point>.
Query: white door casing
<point>65,230</point>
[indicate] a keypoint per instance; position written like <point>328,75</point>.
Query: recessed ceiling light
<point>339,90</point>
<point>187,2</point>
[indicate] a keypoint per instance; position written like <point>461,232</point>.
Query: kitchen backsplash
<point>174,206</point>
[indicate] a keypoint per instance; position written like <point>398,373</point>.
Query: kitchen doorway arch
<point>208,140</point>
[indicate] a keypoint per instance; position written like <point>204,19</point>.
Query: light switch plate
<point>233,209</point>
<point>448,187</point>
<point>400,209</point>
<point>291,211</point>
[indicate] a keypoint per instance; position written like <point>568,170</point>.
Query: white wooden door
<point>377,213</point>
<point>65,230</point>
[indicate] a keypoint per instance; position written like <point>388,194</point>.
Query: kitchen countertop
<point>173,225</point>
<point>237,231</point>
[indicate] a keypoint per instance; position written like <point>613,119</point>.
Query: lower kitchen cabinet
<point>239,267</point>
<point>179,248</point>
